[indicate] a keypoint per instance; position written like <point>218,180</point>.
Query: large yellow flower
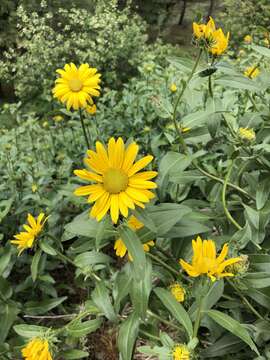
<point>204,260</point>
<point>181,352</point>
<point>119,185</point>
<point>76,86</point>
<point>25,239</point>
<point>120,247</point>
<point>37,349</point>
<point>214,39</point>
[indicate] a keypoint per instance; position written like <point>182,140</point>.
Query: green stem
<point>245,300</point>
<point>84,130</point>
<point>210,88</point>
<point>198,317</point>
<point>252,101</point>
<point>227,213</point>
<point>164,321</point>
<point>161,262</point>
<point>146,333</point>
<point>182,142</point>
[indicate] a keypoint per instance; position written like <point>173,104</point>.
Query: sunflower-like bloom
<point>214,39</point>
<point>25,239</point>
<point>119,246</point>
<point>37,349</point>
<point>119,185</point>
<point>248,39</point>
<point>178,292</point>
<point>246,134</point>
<point>181,352</point>
<point>252,72</point>
<point>205,261</point>
<point>76,86</point>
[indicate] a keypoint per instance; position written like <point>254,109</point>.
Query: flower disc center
<point>115,181</point>
<point>75,85</point>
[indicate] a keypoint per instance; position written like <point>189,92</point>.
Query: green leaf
<point>260,262</point>
<point>5,206</point>
<point>127,336</point>
<point>29,331</point>
<point>121,287</point>
<point>239,82</point>
<point>197,118</point>
<point>140,291</point>
<point>262,192</point>
<point>262,297</point>
<point>135,249</point>
<point>5,256</point>
<point>34,264</point>
<point>176,309</point>
<point>143,216</point>
<point>41,307</point>
<point>102,300</point>
<point>90,258</point>
<point>81,329</point>
<point>47,248</point>
<point>261,50</point>
<point>73,354</point>
<point>5,289</point>
<point>232,326</point>
<point>257,280</point>
<point>7,317</point>
<point>225,345</point>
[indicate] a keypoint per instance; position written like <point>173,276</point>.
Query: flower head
<point>246,134</point>
<point>181,352</point>
<point>58,118</point>
<point>213,39</point>
<point>119,185</point>
<point>25,239</point>
<point>91,109</point>
<point>252,72</point>
<point>205,261</point>
<point>248,39</point>
<point>173,88</point>
<point>178,292</point>
<point>119,246</point>
<point>37,349</point>
<point>76,86</point>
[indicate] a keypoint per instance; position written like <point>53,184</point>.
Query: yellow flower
<point>181,352</point>
<point>219,42</point>
<point>34,188</point>
<point>76,86</point>
<point>185,129</point>
<point>252,72</point>
<point>204,260</point>
<point>45,124</point>
<point>91,109</point>
<point>25,239</point>
<point>266,42</point>
<point>173,88</point>
<point>120,247</point>
<point>37,349</point>
<point>178,292</point>
<point>247,134</point>
<point>248,39</point>
<point>119,185</point>
<point>58,118</point>
<point>215,40</point>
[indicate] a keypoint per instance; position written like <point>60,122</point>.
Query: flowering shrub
<point>166,167</point>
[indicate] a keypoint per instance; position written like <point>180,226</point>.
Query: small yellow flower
<point>76,86</point>
<point>252,72</point>
<point>34,188</point>
<point>181,352</point>
<point>45,124</point>
<point>37,349</point>
<point>119,185</point>
<point>91,109</point>
<point>246,134</point>
<point>58,118</point>
<point>205,261</point>
<point>119,246</point>
<point>25,239</point>
<point>185,129</point>
<point>178,292</point>
<point>266,42</point>
<point>248,39</point>
<point>173,88</point>
<point>146,129</point>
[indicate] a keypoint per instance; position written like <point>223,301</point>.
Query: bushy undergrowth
<point>208,129</point>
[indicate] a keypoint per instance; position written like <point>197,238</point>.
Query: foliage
<point>109,38</point>
<point>213,181</point>
<point>245,17</point>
